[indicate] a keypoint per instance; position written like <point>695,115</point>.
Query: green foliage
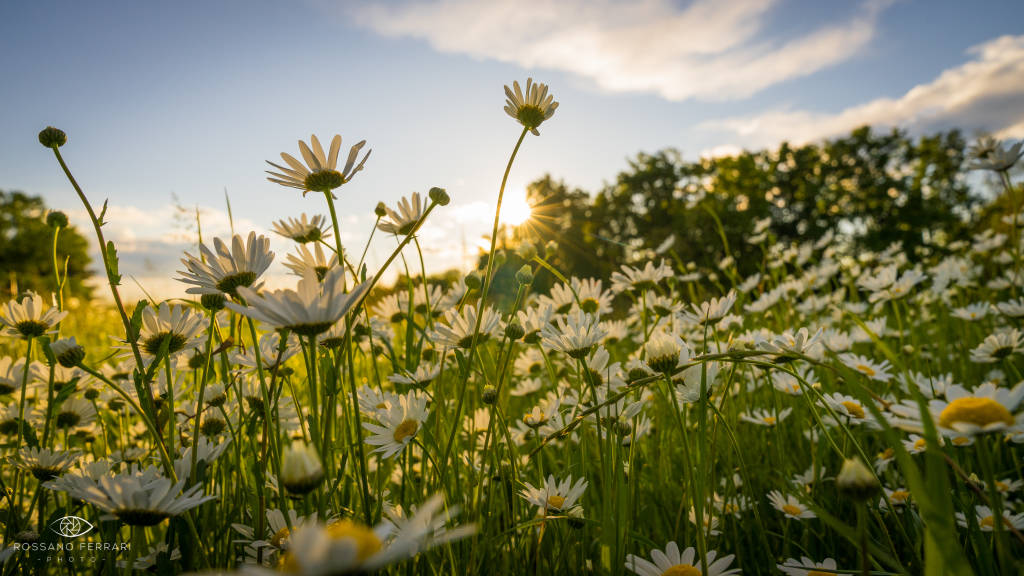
<point>872,189</point>
<point>26,249</point>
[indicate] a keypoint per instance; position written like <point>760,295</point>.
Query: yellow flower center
<point>769,420</point>
<point>961,441</point>
<point>366,541</point>
<point>1002,486</point>
<point>865,369</point>
<point>555,501</point>
<point>887,454</point>
<point>382,406</point>
<point>987,522</point>
<point>899,496</point>
<point>978,411</point>
<point>279,537</point>
<point>682,570</point>
<point>853,408</point>
<point>407,429</point>
<point>920,444</point>
<point>792,510</point>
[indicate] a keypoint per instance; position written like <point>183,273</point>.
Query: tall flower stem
<point>480,307</point>
<point>112,278</point>
<point>337,229</point>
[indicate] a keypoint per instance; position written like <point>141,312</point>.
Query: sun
<point>515,210</point>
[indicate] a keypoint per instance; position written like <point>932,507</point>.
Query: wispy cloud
<point>710,49</point>
<point>985,94</point>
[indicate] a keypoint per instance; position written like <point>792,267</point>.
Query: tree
<point>870,189</point>
<point>26,249</point>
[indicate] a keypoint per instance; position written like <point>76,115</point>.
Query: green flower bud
<point>489,394</point>
<point>524,275</point>
<point>381,210</point>
<point>527,251</point>
<point>856,481</point>
<point>440,196</point>
<point>57,219</point>
<point>550,250</point>
<point>52,137</point>
<point>514,331</point>
<point>473,280</point>
<point>301,470</point>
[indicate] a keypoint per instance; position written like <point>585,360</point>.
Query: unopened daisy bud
<point>52,137</point>
<point>473,281</point>
<point>526,250</point>
<point>908,349</point>
<point>212,302</point>
<point>576,517</point>
<point>301,470</point>
<point>524,276</point>
<point>550,250</point>
<point>514,331</point>
<point>439,196</point>
<point>57,219</point>
<point>68,353</point>
<point>856,481</point>
<point>381,210</point>
<point>489,394</point>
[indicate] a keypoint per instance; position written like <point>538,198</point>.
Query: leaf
<point>111,261</point>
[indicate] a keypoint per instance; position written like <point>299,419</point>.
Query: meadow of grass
<point>832,413</point>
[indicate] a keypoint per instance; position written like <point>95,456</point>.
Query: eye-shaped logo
<point>71,526</point>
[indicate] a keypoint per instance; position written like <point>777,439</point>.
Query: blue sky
<point>187,99</point>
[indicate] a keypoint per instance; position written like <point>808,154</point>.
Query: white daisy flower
<point>532,107</point>
<point>398,424</point>
<point>807,567</point>
<point>304,229</point>
<point>46,464</point>
<point>30,317</point>
<point>225,269</point>
<point>345,546</point>
<point>138,498</point>
<point>986,519</point>
<point>308,311</point>
<point>171,325</point>
<point>998,346</point>
<point>320,171</point>
<point>554,496</point>
<point>790,506</point>
<point>638,280</point>
<point>423,375</point>
<point>575,334</point>
<point>971,312</point>
<point>874,370</point>
<point>763,417</point>
<point>457,329</point>
<point>314,260</point>
<point>401,222</point>
<point>673,563</point>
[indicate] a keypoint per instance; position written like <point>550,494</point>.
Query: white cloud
<point>151,242</point>
<point>709,50</point>
<point>986,94</point>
